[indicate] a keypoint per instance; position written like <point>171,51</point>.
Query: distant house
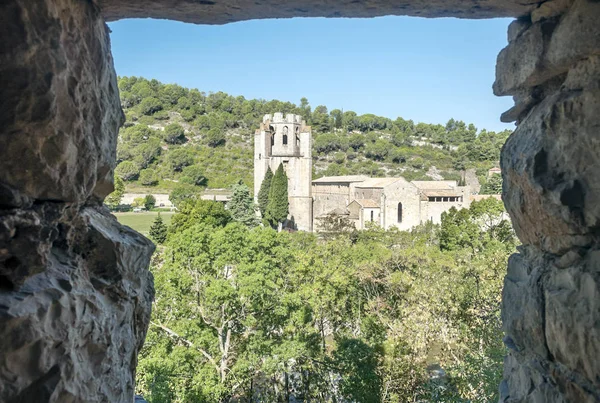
<point>494,171</point>
<point>162,199</point>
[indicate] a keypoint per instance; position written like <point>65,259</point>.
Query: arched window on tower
<point>272,130</point>
<point>285,135</point>
<point>399,212</point>
<point>297,136</point>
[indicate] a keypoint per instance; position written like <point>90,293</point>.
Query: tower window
<point>285,135</point>
<point>259,156</point>
<point>372,215</point>
<point>285,139</point>
<point>272,142</point>
<point>399,212</point>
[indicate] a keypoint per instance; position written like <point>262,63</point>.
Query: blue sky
<point>428,70</point>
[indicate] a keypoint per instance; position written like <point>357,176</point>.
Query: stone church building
<point>388,202</point>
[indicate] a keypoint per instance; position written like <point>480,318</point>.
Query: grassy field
<point>141,222</point>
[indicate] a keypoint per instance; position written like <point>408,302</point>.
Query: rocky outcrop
<point>75,291</point>
<point>550,165</point>
<point>224,11</point>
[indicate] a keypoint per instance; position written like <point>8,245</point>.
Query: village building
<point>387,202</point>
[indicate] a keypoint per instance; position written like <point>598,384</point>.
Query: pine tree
<point>241,206</point>
<point>158,230</point>
<point>263,194</point>
<point>278,206</point>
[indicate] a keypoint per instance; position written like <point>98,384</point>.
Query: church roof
<point>336,211</point>
<point>435,185</point>
<point>368,203</point>
<point>442,192</point>
<point>341,179</point>
<point>378,182</point>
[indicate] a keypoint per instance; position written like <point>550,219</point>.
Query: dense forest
<point>182,140</point>
<point>244,313</point>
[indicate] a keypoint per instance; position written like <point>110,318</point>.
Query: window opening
<point>399,212</point>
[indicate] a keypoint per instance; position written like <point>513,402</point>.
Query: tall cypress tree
<point>158,230</point>
<point>263,193</point>
<point>278,206</point>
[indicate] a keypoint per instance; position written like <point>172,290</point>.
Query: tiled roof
<point>442,192</point>
<point>434,185</point>
<point>368,203</point>
<point>337,211</point>
<point>378,182</point>
<point>341,179</point>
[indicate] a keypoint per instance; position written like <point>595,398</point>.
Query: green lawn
<point>142,221</point>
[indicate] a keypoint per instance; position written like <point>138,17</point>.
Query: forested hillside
<point>245,314</point>
<point>183,139</point>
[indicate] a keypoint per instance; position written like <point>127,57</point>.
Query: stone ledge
<point>226,11</point>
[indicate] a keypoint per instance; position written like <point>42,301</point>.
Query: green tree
<point>241,206</point>
<point>193,175</point>
<point>196,211</point>
<point>278,205</point>
<point>149,106</point>
<point>149,202</point>
<point>182,192</point>
<point>320,119</point>
<point>145,153</point>
<point>174,134</point>
<point>493,186</point>
<point>158,230</point>
<point>215,137</point>
<point>114,199</point>
<point>127,170</point>
<point>148,177</point>
<point>334,225</point>
<point>180,158</point>
<point>263,193</point>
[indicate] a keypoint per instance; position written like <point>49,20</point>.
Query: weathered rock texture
<point>551,166</point>
<point>75,292</point>
<point>224,11</point>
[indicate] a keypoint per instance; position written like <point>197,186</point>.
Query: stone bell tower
<point>287,140</point>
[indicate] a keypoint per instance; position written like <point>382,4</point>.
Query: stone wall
<point>551,166</point>
<point>75,292</point>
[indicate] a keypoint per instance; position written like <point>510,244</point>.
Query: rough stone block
<point>550,9</point>
<point>517,27</point>
<point>71,333</point>
<point>522,308</point>
<point>572,312</point>
<point>59,103</point>
<point>577,36</point>
<point>550,167</point>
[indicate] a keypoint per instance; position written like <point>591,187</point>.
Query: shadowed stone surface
<point>59,103</point>
<point>75,291</point>
<point>551,166</point>
<point>224,11</point>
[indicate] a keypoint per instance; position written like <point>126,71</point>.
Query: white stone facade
<point>287,140</point>
<point>389,202</point>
